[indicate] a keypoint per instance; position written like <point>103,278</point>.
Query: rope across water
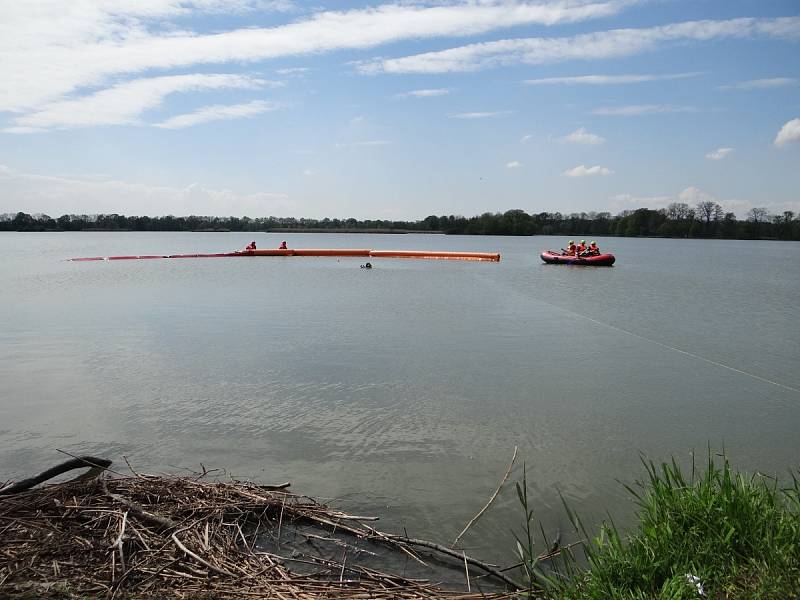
<point>679,350</point>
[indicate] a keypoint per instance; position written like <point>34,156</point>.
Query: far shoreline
<point>706,221</point>
<point>392,232</point>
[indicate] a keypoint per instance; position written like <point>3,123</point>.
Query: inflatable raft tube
<point>556,258</point>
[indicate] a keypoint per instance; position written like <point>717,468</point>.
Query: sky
<point>397,110</point>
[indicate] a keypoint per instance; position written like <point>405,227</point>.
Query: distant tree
<point>677,211</point>
<point>432,222</point>
<point>23,221</point>
<point>706,210</point>
<point>756,216</point>
<point>729,226</point>
<point>518,222</point>
<point>787,225</point>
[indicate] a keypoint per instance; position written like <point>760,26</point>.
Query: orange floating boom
<point>431,254</point>
<point>326,252</point>
<point>346,252</point>
<point>436,255</point>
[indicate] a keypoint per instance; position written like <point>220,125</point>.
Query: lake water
<point>401,391</point>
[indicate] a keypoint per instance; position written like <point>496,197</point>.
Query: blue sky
<point>397,110</point>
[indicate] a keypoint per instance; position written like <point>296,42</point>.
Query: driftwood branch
<point>489,503</point>
<point>160,523</point>
<point>198,559</point>
<point>455,554</point>
<point>96,466</point>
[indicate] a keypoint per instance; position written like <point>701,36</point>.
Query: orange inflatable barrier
<point>330,252</point>
<point>361,252</point>
<point>266,252</point>
<point>487,256</point>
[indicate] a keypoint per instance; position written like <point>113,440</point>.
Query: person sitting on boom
<point>282,246</point>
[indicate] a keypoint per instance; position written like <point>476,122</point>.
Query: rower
<point>251,246</point>
<point>282,246</point>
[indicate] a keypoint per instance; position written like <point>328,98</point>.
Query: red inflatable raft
<point>556,258</point>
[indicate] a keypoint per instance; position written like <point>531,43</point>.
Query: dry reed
<point>146,536</point>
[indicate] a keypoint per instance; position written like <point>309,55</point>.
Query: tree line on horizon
<point>678,220</point>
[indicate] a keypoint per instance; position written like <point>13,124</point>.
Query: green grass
<point>739,534</point>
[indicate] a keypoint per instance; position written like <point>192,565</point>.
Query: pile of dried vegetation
<point>144,536</point>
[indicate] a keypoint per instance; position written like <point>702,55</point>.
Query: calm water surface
<point>401,391</point>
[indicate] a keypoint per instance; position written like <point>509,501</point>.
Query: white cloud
<point>581,136</point>
<point>642,109</point>
<point>607,79</point>
<point>479,115</point>
<point>583,171</point>
<point>366,143</point>
<point>51,48</point>
<point>526,138</point>
<point>790,132</point>
<point>218,113</point>
<point>630,201</point>
<point>761,84</point>
<point>719,153</point>
<point>293,71</point>
<point>692,196</point>
<point>588,46</point>
<point>513,164</point>
<point>124,103</point>
<point>373,143</point>
<point>65,195</point>
<point>425,93</point>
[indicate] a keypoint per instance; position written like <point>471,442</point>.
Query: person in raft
<point>571,250</point>
<point>251,246</point>
<point>594,249</point>
<point>282,246</point>
<point>582,248</point>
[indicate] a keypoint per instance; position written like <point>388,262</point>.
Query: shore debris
<point>147,536</point>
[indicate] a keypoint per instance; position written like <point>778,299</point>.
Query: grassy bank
<point>712,533</point>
